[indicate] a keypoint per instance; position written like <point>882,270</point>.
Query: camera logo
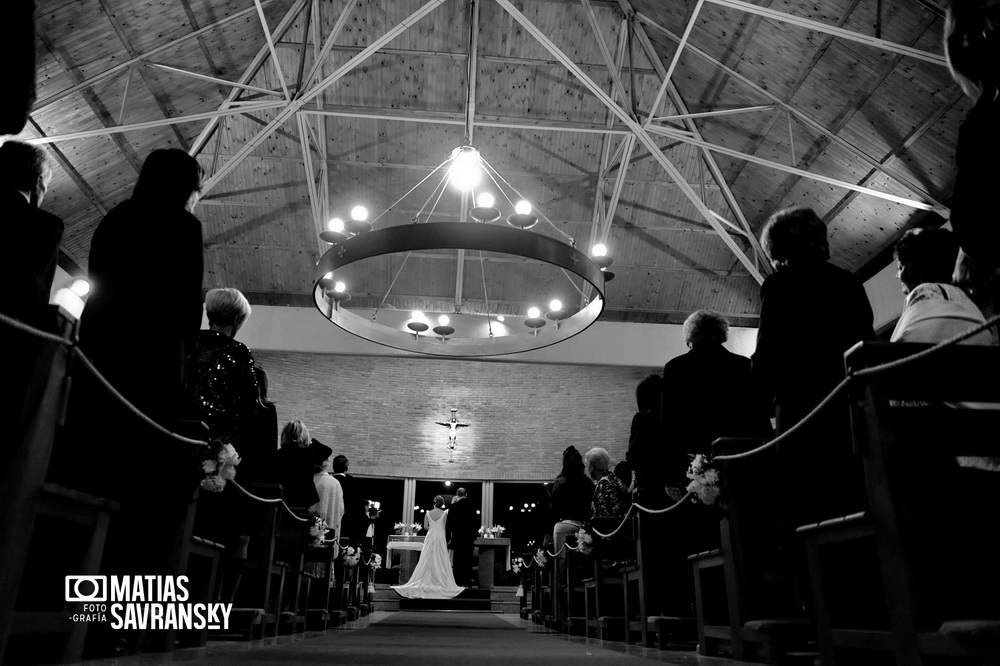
<point>86,589</point>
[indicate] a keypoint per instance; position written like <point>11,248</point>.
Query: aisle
<point>404,637</point>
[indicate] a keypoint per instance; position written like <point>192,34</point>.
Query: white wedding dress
<point>432,578</point>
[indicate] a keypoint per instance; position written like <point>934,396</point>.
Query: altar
<point>488,551</point>
<point>409,548</point>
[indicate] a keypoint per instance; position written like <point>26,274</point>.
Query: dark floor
<point>443,638</point>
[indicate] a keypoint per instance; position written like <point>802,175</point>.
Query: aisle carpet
<point>425,638</point>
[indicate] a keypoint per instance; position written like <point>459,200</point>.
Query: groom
<point>463,528</point>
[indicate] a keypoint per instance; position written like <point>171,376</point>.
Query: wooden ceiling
<point>845,106</point>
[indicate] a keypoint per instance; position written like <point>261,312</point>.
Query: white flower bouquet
<point>584,541</point>
<point>219,466</point>
<point>704,480</point>
<point>351,556</point>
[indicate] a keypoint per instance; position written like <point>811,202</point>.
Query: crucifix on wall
<point>453,425</point>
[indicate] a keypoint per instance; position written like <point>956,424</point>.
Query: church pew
<point>573,618</point>
<point>258,598</point>
<point>603,596</point>
<point>292,541</point>
<point>747,592</point>
<point>936,563</point>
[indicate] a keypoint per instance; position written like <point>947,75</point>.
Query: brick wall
<point>381,411</point>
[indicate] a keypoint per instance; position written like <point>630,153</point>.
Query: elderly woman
<point>222,383</point>
<point>610,494</point>
<point>330,506</point>
<point>811,312</point>
<point>935,310</point>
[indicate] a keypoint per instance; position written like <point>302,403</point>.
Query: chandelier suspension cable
<point>444,186</point>
<point>486,296</point>
<point>391,285</point>
<point>422,180</point>
<point>570,278</point>
<point>541,213</point>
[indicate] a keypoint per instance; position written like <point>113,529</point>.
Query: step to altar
<point>470,599</point>
<point>501,599</point>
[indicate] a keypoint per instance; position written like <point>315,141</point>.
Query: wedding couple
<point>457,526</point>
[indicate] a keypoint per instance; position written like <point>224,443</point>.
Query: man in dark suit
<point>462,528</point>
<point>354,526</point>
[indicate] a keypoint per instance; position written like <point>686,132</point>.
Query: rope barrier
<point>269,500</point>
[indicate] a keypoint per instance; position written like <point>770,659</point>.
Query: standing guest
<point>811,312</point>
<point>330,505</point>
<point>221,380</point>
<point>646,453</point>
<point>935,310</point>
<point>462,529</point>
<point>17,52</point>
<point>625,474</point>
<point>972,47</point>
<point>260,441</point>
<point>355,524</point>
<point>610,494</point>
<point>31,235</point>
<point>572,494</point>
<point>147,365</point>
<point>294,466</point>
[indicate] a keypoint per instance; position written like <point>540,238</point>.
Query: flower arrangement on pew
<point>540,557</point>
<point>704,480</point>
<point>351,556</point>
<point>219,466</point>
<point>584,541</point>
<point>517,564</point>
<point>318,530</point>
<point>376,562</point>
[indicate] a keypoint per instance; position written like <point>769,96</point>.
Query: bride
<point>432,578</point>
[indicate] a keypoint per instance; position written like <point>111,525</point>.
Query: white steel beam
<point>298,103</point>
<point>851,35</point>
<point>314,202</point>
<point>270,46</point>
<point>213,79</point>
<point>640,133</point>
<point>713,114</point>
<point>673,62</point>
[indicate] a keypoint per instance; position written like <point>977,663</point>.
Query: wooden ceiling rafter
<point>803,117</point>
<point>132,53</point>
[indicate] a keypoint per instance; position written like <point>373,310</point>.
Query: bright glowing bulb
<point>70,301</point>
<point>555,305</point>
<point>335,224</point>
<point>328,275</point>
<point>80,287</point>
<point>522,207</point>
<point>525,505</point>
<point>377,505</point>
<point>485,200</point>
<point>443,321</point>
<point>340,287</point>
<point>477,512</point>
<point>534,312</point>
<point>532,505</point>
<point>416,508</point>
<point>599,250</point>
<point>359,213</point>
<point>447,484</point>
<point>501,318</point>
<point>416,314</point>
<point>464,172</point>
<point>511,508</point>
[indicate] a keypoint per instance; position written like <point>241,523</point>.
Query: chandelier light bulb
<point>447,484</point>
<point>359,213</point>
<point>417,314</point>
<point>501,318</point>
<point>522,207</point>
<point>534,312</point>
<point>599,250</point>
<point>328,275</point>
<point>336,225</point>
<point>465,172</point>
<point>443,321</point>
<point>340,287</point>
<point>555,305</point>
<point>485,200</point>
<point>80,287</point>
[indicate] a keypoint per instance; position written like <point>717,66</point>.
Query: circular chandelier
<point>456,333</point>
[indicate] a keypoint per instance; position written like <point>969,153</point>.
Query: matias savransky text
<point>143,602</point>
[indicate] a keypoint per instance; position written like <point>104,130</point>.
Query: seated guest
<point>811,312</point>
<point>355,523</point>
<point>610,494</point>
<point>295,467</point>
<point>571,497</point>
<point>330,506</point>
<point>221,382</point>
<point>935,310</point>
<point>646,453</point>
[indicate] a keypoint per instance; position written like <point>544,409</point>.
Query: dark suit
<point>29,256</point>
<point>809,316</point>
<point>463,529</point>
<point>355,522</point>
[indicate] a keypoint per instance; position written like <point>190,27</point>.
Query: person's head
<point>438,502</point>
<point>598,462</point>
<point>261,376</point>
<point>624,472</point>
<point>460,493</point>
<point>227,309</point>
<point>925,255</point>
<point>170,178</point>
<point>971,44</point>
<point>572,462</point>
<point>340,464</point>
<point>295,434</point>
<point>705,328</point>
<point>795,236</point>
<point>647,393</point>
<point>25,168</point>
